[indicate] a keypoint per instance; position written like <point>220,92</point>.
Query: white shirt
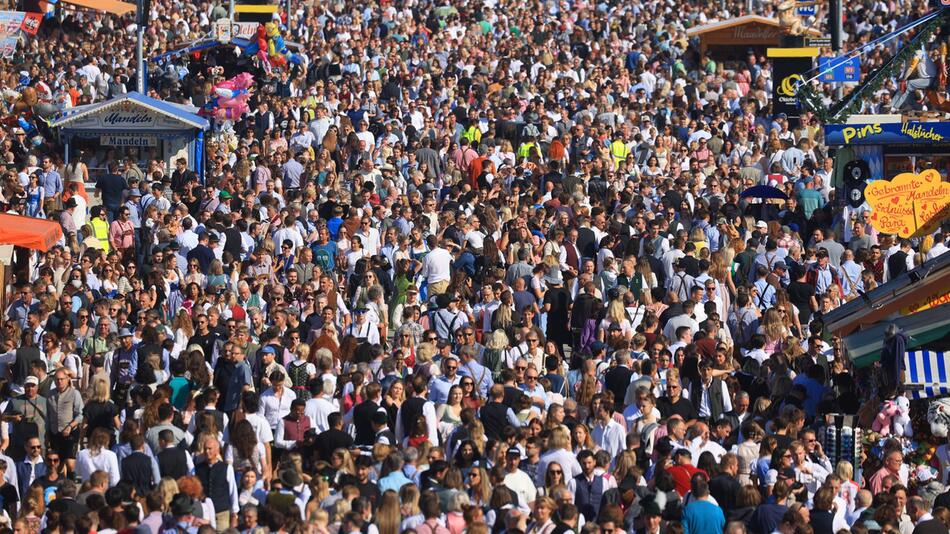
<point>318,409</point>
<point>106,460</point>
<point>436,266</point>
<point>485,311</point>
<point>704,408</point>
<point>935,251</point>
<point>261,427</point>
<point>611,437</point>
<point>520,483</point>
<point>697,447</point>
<point>364,330</point>
<point>275,408</point>
<point>370,240</point>
<point>632,413</point>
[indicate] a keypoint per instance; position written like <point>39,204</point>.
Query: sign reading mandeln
<point>128,140</point>
<point>126,116</point>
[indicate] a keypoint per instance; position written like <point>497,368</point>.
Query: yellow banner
<point>938,298</point>
<point>909,205</point>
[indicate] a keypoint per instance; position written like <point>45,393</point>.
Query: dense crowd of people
<point>466,268</point>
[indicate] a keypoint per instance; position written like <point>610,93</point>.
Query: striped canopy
<point>926,374</point>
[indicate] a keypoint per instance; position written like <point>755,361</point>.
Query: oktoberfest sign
<point>910,205</point>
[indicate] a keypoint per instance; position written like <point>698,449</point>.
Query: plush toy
<point>20,102</point>
<point>228,99</point>
<point>901,422</point>
<point>789,21</point>
<point>258,47</point>
<point>938,416</point>
<point>882,423</point>
<point>234,87</point>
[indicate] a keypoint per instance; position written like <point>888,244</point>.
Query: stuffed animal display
<point>938,416</point>
<point>269,47</point>
<point>900,424</point>
<point>277,51</point>
<point>228,99</point>
<point>885,417</point>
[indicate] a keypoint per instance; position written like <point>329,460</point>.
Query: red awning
<point>109,6</point>
<point>28,232</point>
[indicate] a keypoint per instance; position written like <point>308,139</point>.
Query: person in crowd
<point>493,267</point>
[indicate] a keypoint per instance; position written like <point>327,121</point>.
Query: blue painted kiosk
<point>137,125</point>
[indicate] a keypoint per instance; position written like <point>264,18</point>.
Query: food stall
<point>137,125</point>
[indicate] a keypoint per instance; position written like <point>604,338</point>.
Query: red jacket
<point>682,475</point>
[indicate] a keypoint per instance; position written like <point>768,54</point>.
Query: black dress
<point>821,521</point>
<point>558,328</point>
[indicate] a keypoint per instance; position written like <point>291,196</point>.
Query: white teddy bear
<point>901,421</point>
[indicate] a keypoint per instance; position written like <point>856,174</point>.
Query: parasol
<point>763,191</point>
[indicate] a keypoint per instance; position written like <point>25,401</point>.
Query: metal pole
<point>290,17</point>
<point>748,7</point>
<point>837,43</point>
<point>140,61</point>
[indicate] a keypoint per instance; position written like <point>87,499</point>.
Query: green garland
<point>839,112</point>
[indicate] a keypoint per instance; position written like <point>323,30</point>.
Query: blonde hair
<point>844,470</point>
<point>615,311</point>
<point>498,340</point>
<point>167,488</point>
<point>388,516</point>
<point>560,439</point>
<point>425,352</point>
<point>409,498</point>
<point>99,389</point>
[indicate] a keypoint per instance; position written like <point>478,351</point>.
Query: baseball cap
<point>31,380</point>
<point>761,224</point>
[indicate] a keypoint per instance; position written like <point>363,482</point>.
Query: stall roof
<point>109,6</point>
<point>864,347</point>
<point>175,112</point>
<point>738,21</point>
<point>886,299</point>
<point>28,232</point>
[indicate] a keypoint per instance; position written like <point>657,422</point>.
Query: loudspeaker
<point>856,174</point>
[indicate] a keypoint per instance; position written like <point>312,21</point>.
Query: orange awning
<point>27,232</point>
<point>109,6</point>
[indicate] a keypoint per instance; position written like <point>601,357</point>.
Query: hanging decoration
<point>838,113</point>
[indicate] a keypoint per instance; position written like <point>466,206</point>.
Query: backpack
<point>494,361</point>
<point>123,366</point>
<point>588,335</point>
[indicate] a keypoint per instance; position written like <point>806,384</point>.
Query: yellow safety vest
<point>100,230</point>
<point>524,151</point>
<point>472,134</point>
<point>619,150</point>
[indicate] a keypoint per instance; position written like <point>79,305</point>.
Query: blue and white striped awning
<point>926,374</point>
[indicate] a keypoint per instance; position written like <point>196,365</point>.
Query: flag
<point>31,23</point>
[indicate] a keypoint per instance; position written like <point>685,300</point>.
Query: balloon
<point>228,99</point>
